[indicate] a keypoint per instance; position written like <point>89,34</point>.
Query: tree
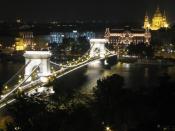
<point>141,49</point>
<point>109,95</point>
<point>33,115</point>
<point>122,108</point>
<point>84,44</point>
<point>24,110</point>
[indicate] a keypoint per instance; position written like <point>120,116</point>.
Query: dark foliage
<point>112,105</point>
<point>141,50</point>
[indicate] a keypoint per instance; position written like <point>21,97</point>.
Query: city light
<point>74,31</point>
<point>103,64</point>
<point>158,21</point>
<point>166,25</point>
<point>44,79</point>
<point>95,64</point>
<point>6,87</point>
<point>108,128</point>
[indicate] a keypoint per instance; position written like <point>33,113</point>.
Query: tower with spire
<point>146,22</point>
<point>164,23</point>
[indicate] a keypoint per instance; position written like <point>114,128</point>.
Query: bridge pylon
<point>98,47</point>
<point>40,59</point>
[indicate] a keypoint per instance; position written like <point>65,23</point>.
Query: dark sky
<point>111,10</point>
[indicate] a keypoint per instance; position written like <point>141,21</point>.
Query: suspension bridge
<point>39,70</point>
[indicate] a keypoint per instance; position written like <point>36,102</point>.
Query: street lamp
<point>6,87</point>
<point>108,128</point>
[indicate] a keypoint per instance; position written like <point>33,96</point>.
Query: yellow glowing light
<point>44,79</point>
<point>166,25</point>
<point>148,26</point>
<point>158,21</point>
<point>20,88</point>
<point>20,44</point>
<point>108,128</point>
<point>6,87</point>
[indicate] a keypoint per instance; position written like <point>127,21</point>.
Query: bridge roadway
<point>29,87</point>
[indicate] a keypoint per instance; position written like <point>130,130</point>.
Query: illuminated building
<point>57,37</point>
<point>158,21</point>
<point>74,34</point>
<point>146,22</point>
<point>19,44</point>
<point>27,37</point>
<point>127,36</point>
<point>89,35</point>
<point>18,20</point>
<point>26,40</point>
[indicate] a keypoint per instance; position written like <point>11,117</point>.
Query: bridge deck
<point>36,83</point>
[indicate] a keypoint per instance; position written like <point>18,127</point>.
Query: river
<point>135,75</point>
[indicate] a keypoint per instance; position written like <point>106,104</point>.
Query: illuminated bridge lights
<point>40,59</point>
<point>6,87</point>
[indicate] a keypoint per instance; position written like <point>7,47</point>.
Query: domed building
<point>158,21</point>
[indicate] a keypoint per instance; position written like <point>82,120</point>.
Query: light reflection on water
<point>135,75</point>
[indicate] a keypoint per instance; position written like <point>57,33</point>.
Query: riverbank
<point>155,62</point>
<point>146,61</point>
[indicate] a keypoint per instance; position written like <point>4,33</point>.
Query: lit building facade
<point>24,40</point>
<point>88,35</point>
<point>74,34</point>
<point>19,44</point>
<point>158,21</point>
<point>27,37</point>
<point>57,37</point>
<point>27,40</point>
<point>127,36</point>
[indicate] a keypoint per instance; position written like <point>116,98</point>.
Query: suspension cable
<point>18,85</point>
<point>16,74</point>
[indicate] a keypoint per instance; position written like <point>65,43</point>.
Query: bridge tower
<point>98,47</point>
<point>40,59</point>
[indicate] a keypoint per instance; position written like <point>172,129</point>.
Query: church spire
<point>107,33</point>
<point>164,14</point>
<point>165,23</point>
<point>146,17</point>
<point>157,13</point>
<point>146,21</point>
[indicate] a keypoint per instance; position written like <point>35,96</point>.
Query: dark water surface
<point>7,70</point>
<point>85,79</point>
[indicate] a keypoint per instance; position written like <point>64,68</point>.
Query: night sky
<point>66,10</point>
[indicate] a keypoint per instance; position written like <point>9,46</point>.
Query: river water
<point>136,75</point>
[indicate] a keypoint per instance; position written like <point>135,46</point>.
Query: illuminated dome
<point>158,13</point>
<point>158,21</point>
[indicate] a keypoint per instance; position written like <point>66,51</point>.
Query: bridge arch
<point>98,47</point>
<point>40,59</point>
